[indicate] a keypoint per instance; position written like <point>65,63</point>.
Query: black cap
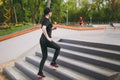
<point>47,10</point>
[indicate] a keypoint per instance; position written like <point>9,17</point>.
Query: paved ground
<point>14,47</point>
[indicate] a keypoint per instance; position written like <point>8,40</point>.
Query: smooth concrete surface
<point>14,47</point>
<point>101,25</point>
<point>100,36</point>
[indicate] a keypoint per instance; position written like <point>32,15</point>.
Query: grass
<point>11,30</point>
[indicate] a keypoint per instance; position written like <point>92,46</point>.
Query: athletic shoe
<point>54,65</point>
<point>40,76</point>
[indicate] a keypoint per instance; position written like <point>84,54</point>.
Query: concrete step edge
<point>92,48</point>
<point>34,60</point>
<point>15,74</point>
<point>31,70</point>
<point>93,59</point>
<point>77,65</point>
<point>91,44</point>
<point>91,51</point>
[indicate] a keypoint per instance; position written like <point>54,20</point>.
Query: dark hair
<point>46,11</point>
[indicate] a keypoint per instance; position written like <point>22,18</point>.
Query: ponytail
<point>42,18</point>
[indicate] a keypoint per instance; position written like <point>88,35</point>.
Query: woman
<point>46,41</point>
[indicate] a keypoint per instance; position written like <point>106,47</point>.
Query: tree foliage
<point>32,10</point>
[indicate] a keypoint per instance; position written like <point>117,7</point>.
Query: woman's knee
<point>44,57</point>
<point>58,47</point>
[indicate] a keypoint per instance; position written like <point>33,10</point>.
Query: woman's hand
<point>50,39</point>
<point>45,33</point>
<point>55,27</point>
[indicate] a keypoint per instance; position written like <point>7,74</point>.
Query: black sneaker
<point>54,65</point>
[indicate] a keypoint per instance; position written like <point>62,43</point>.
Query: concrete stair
<point>91,44</point>
<point>78,60</point>
<point>15,74</point>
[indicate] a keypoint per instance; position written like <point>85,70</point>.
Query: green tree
<point>35,10</point>
<point>48,3</point>
<point>58,11</point>
<point>7,11</point>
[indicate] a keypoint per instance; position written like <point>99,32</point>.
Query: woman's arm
<point>55,26</point>
<point>45,33</point>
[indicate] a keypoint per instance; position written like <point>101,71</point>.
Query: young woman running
<point>46,41</point>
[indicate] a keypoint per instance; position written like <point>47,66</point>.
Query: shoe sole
<point>40,77</point>
<point>53,66</point>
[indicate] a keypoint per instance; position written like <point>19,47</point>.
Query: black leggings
<point>44,45</point>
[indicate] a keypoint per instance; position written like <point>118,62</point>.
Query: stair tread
<point>110,55</point>
<point>88,66</point>
<point>99,58</point>
<point>34,70</point>
<point>16,73</point>
<point>65,70</point>
<point>91,44</point>
<point>92,48</point>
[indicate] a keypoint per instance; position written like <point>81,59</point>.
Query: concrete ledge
<point>19,33</point>
<point>81,28</point>
<point>38,27</point>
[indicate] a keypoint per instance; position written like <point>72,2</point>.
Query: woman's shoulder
<point>45,21</point>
